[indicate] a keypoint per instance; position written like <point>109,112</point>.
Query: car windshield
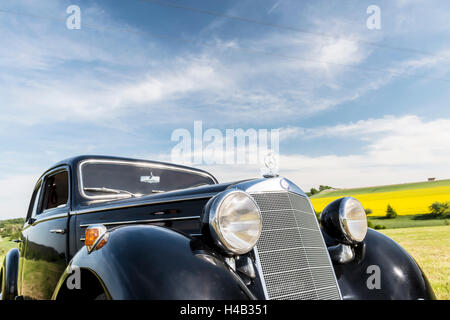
<point>116,179</point>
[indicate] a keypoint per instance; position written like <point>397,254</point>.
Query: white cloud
<point>84,99</point>
<point>194,76</point>
<point>288,133</point>
<point>339,51</point>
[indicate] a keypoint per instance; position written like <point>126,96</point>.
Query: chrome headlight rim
<point>335,221</point>
<point>346,232</point>
<point>213,211</point>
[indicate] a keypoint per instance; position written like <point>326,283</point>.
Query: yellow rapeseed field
<point>405,202</point>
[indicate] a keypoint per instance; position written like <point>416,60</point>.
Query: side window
<point>34,201</point>
<point>56,191</point>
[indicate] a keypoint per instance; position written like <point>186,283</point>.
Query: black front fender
<point>150,262</point>
<point>400,276</point>
<point>9,275</point>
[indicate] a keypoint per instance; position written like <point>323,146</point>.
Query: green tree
<point>390,212</point>
<point>438,208</point>
<point>368,211</point>
<point>313,191</point>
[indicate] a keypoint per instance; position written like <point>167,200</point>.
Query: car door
<point>44,236</point>
<point>31,216</point>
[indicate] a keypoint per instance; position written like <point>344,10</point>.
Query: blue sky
<point>355,107</point>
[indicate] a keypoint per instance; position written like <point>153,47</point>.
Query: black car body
<point>159,246</point>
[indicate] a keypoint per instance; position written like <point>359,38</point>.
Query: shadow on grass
<point>430,216</point>
<point>381,218</point>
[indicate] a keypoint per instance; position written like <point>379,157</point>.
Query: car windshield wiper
<point>116,191</point>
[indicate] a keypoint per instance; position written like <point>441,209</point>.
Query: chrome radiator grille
<point>292,253</point>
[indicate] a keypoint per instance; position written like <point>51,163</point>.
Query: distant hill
<point>10,229</point>
<point>385,188</point>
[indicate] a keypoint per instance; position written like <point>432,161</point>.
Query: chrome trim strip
<point>141,203</point>
<point>270,185</point>
<point>325,246</point>
<point>59,231</point>
<point>133,163</point>
<point>140,221</point>
<point>261,275</point>
<point>190,234</point>
<point>50,217</point>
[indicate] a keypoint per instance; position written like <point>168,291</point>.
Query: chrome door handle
<point>60,231</point>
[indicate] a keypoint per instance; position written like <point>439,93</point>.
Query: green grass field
<point>5,246</point>
<point>429,246</point>
<point>411,221</point>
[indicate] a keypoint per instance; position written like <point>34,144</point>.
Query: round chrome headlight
<point>353,219</point>
<point>345,220</point>
<point>234,221</point>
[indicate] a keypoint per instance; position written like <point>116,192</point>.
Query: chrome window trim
<point>43,179</point>
<point>133,163</point>
<point>31,213</point>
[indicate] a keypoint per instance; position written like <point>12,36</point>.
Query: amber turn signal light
<point>95,237</point>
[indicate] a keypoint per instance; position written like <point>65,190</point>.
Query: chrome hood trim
<point>269,185</point>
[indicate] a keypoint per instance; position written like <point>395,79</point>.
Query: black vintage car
<point>113,228</point>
